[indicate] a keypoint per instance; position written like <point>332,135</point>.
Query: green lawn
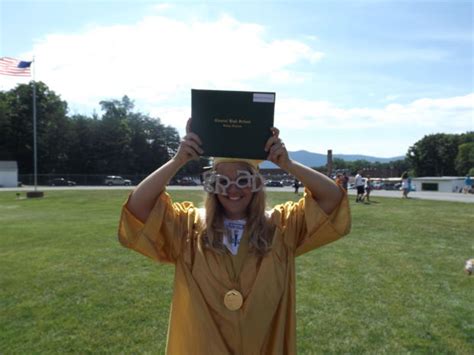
<point>394,285</point>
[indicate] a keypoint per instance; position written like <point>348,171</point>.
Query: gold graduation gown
<point>199,321</point>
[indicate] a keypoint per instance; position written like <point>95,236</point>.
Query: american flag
<point>14,67</point>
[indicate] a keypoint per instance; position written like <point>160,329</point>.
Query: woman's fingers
<point>276,152</point>
<point>190,135</point>
<point>189,147</point>
<point>278,145</point>
<point>276,149</point>
<point>192,144</point>
<point>194,137</point>
<point>190,151</point>
<point>271,142</point>
<point>273,139</point>
<point>188,126</point>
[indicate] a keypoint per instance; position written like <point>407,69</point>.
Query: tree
<point>434,155</point>
<point>115,154</point>
<point>465,158</point>
<point>6,151</point>
<point>339,164</point>
<point>121,141</point>
<point>132,142</point>
<point>83,153</point>
<point>16,123</point>
<point>359,164</point>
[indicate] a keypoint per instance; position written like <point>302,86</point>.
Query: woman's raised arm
<point>145,194</point>
<point>324,190</point>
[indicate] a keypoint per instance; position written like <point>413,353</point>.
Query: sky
<point>358,77</point>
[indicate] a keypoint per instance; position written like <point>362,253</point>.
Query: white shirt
<point>234,231</point>
<point>358,180</point>
<point>405,184</point>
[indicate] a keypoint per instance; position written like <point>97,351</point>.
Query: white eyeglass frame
<point>212,184</point>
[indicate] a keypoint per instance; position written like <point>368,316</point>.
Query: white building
<point>8,173</point>
<point>438,183</point>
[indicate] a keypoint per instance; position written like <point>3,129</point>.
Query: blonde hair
<point>258,226</point>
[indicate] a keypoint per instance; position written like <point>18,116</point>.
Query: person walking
<point>235,276</point>
<point>368,189</point>
<point>359,185</point>
<point>467,184</point>
<point>345,181</point>
<point>338,179</point>
<point>405,184</point>
<point>296,185</point>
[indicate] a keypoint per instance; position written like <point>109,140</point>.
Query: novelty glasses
<point>218,184</point>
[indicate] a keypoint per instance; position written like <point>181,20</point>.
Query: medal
<point>233,300</point>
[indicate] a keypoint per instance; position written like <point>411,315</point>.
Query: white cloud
<point>454,114</point>
<point>385,132</point>
<point>173,116</point>
<point>158,59</point>
<point>161,7</point>
<point>391,97</point>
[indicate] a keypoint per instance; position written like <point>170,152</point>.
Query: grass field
<point>394,285</point>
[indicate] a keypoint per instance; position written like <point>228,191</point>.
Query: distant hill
<point>316,159</point>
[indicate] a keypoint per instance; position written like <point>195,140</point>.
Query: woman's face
<point>237,200</point>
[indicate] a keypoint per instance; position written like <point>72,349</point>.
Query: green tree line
<point>124,141</point>
<point>120,141</point>
<point>438,154</point>
<point>443,155</point>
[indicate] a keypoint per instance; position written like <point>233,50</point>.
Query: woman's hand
<point>190,146</point>
<point>326,193</point>
<point>276,149</point>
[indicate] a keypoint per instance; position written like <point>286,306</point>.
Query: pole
<point>35,161</point>
<point>329,162</point>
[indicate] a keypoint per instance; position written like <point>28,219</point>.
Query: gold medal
<point>233,300</point>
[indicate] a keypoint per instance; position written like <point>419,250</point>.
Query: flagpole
<point>35,161</point>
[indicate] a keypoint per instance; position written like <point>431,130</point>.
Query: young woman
<point>234,289</point>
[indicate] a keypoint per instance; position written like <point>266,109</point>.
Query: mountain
<point>352,157</point>
<point>316,159</point>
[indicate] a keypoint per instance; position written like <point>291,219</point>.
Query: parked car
<point>116,180</point>
<point>377,185</point>
<point>187,181</point>
<point>273,183</point>
<point>287,182</point>
<point>61,182</point>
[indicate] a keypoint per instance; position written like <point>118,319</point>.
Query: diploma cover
<point>233,124</point>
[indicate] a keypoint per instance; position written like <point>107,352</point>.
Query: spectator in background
<point>405,184</point>
<point>359,185</point>
<point>368,188</point>
<point>296,185</point>
<point>339,179</point>
<point>467,184</point>
<point>345,181</point>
